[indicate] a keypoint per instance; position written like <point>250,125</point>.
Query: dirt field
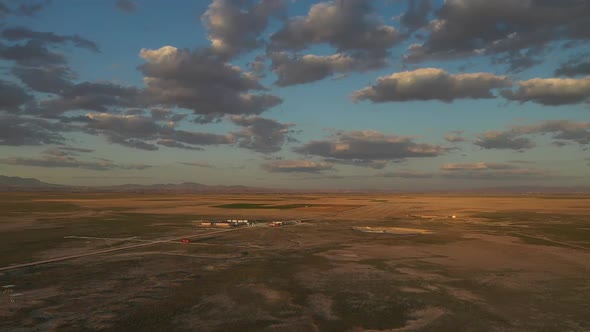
<point>354,263</point>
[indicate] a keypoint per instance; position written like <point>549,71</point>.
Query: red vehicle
<point>185,241</point>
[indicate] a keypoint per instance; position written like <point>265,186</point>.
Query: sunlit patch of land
<point>355,262</point>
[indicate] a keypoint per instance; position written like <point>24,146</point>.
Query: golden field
<point>356,262</point>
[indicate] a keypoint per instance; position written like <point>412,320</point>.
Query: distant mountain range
<point>13,183</point>
<point>530,190</point>
<point>188,187</point>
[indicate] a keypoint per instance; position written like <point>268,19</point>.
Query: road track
<point>104,251</point>
<point>550,241</point>
<point>146,244</point>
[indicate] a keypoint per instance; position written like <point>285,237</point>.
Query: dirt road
<point>104,251</point>
<point>140,245</point>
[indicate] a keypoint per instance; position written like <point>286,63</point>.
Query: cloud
<point>519,161</point>
<point>477,166</point>
<point>139,132</point>
<point>291,70</point>
<point>503,174</point>
<point>296,166</point>
<point>491,171</point>
<point>100,97</point>
<point>408,175</point>
<point>577,132</point>
<point>455,137</point>
<point>235,26</point>
<point>134,112</point>
<point>431,84</point>
<point>519,61</point>
<point>369,145</point>
<point>202,83</point>
<point>174,144</point>
<point>202,164</point>
<point>32,54</point>
<point>199,138</point>
<point>347,25</point>
<point>128,130</point>
<point>49,79</point>
<point>126,5</point>
<point>74,150</point>
<point>559,144</point>
<point>4,10</point>
<point>577,66</point>
<point>375,164</point>
<point>110,177</point>
<point>551,91</point>
<point>475,171</point>
<point>360,38</point>
<point>257,67</point>
<point>417,14</point>
<point>161,114</point>
<point>58,152</point>
<point>25,8</point>
<point>19,131</point>
<point>261,134</point>
<point>503,140</point>
<point>517,137</point>
<point>12,97</point>
<point>31,9</point>
<point>65,161</point>
<point>512,29</point>
<point>131,142</point>
<point>22,33</point>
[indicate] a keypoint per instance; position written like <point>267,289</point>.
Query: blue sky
<point>347,94</point>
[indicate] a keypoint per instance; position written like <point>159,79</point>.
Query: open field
<point>355,263</point>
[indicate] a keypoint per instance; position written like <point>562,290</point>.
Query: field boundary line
<point>553,241</point>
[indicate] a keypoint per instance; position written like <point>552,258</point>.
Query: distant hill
<point>14,182</point>
<point>530,190</point>
<point>188,187</point>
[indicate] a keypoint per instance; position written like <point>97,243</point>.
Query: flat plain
<point>355,262</point>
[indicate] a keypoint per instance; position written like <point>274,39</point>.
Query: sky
<point>345,94</point>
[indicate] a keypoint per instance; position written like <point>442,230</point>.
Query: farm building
<point>227,223</point>
<point>238,222</point>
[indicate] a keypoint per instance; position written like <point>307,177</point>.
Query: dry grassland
<point>504,263</point>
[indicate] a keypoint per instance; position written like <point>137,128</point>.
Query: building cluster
<point>283,223</point>
<point>227,223</point>
<point>243,223</point>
